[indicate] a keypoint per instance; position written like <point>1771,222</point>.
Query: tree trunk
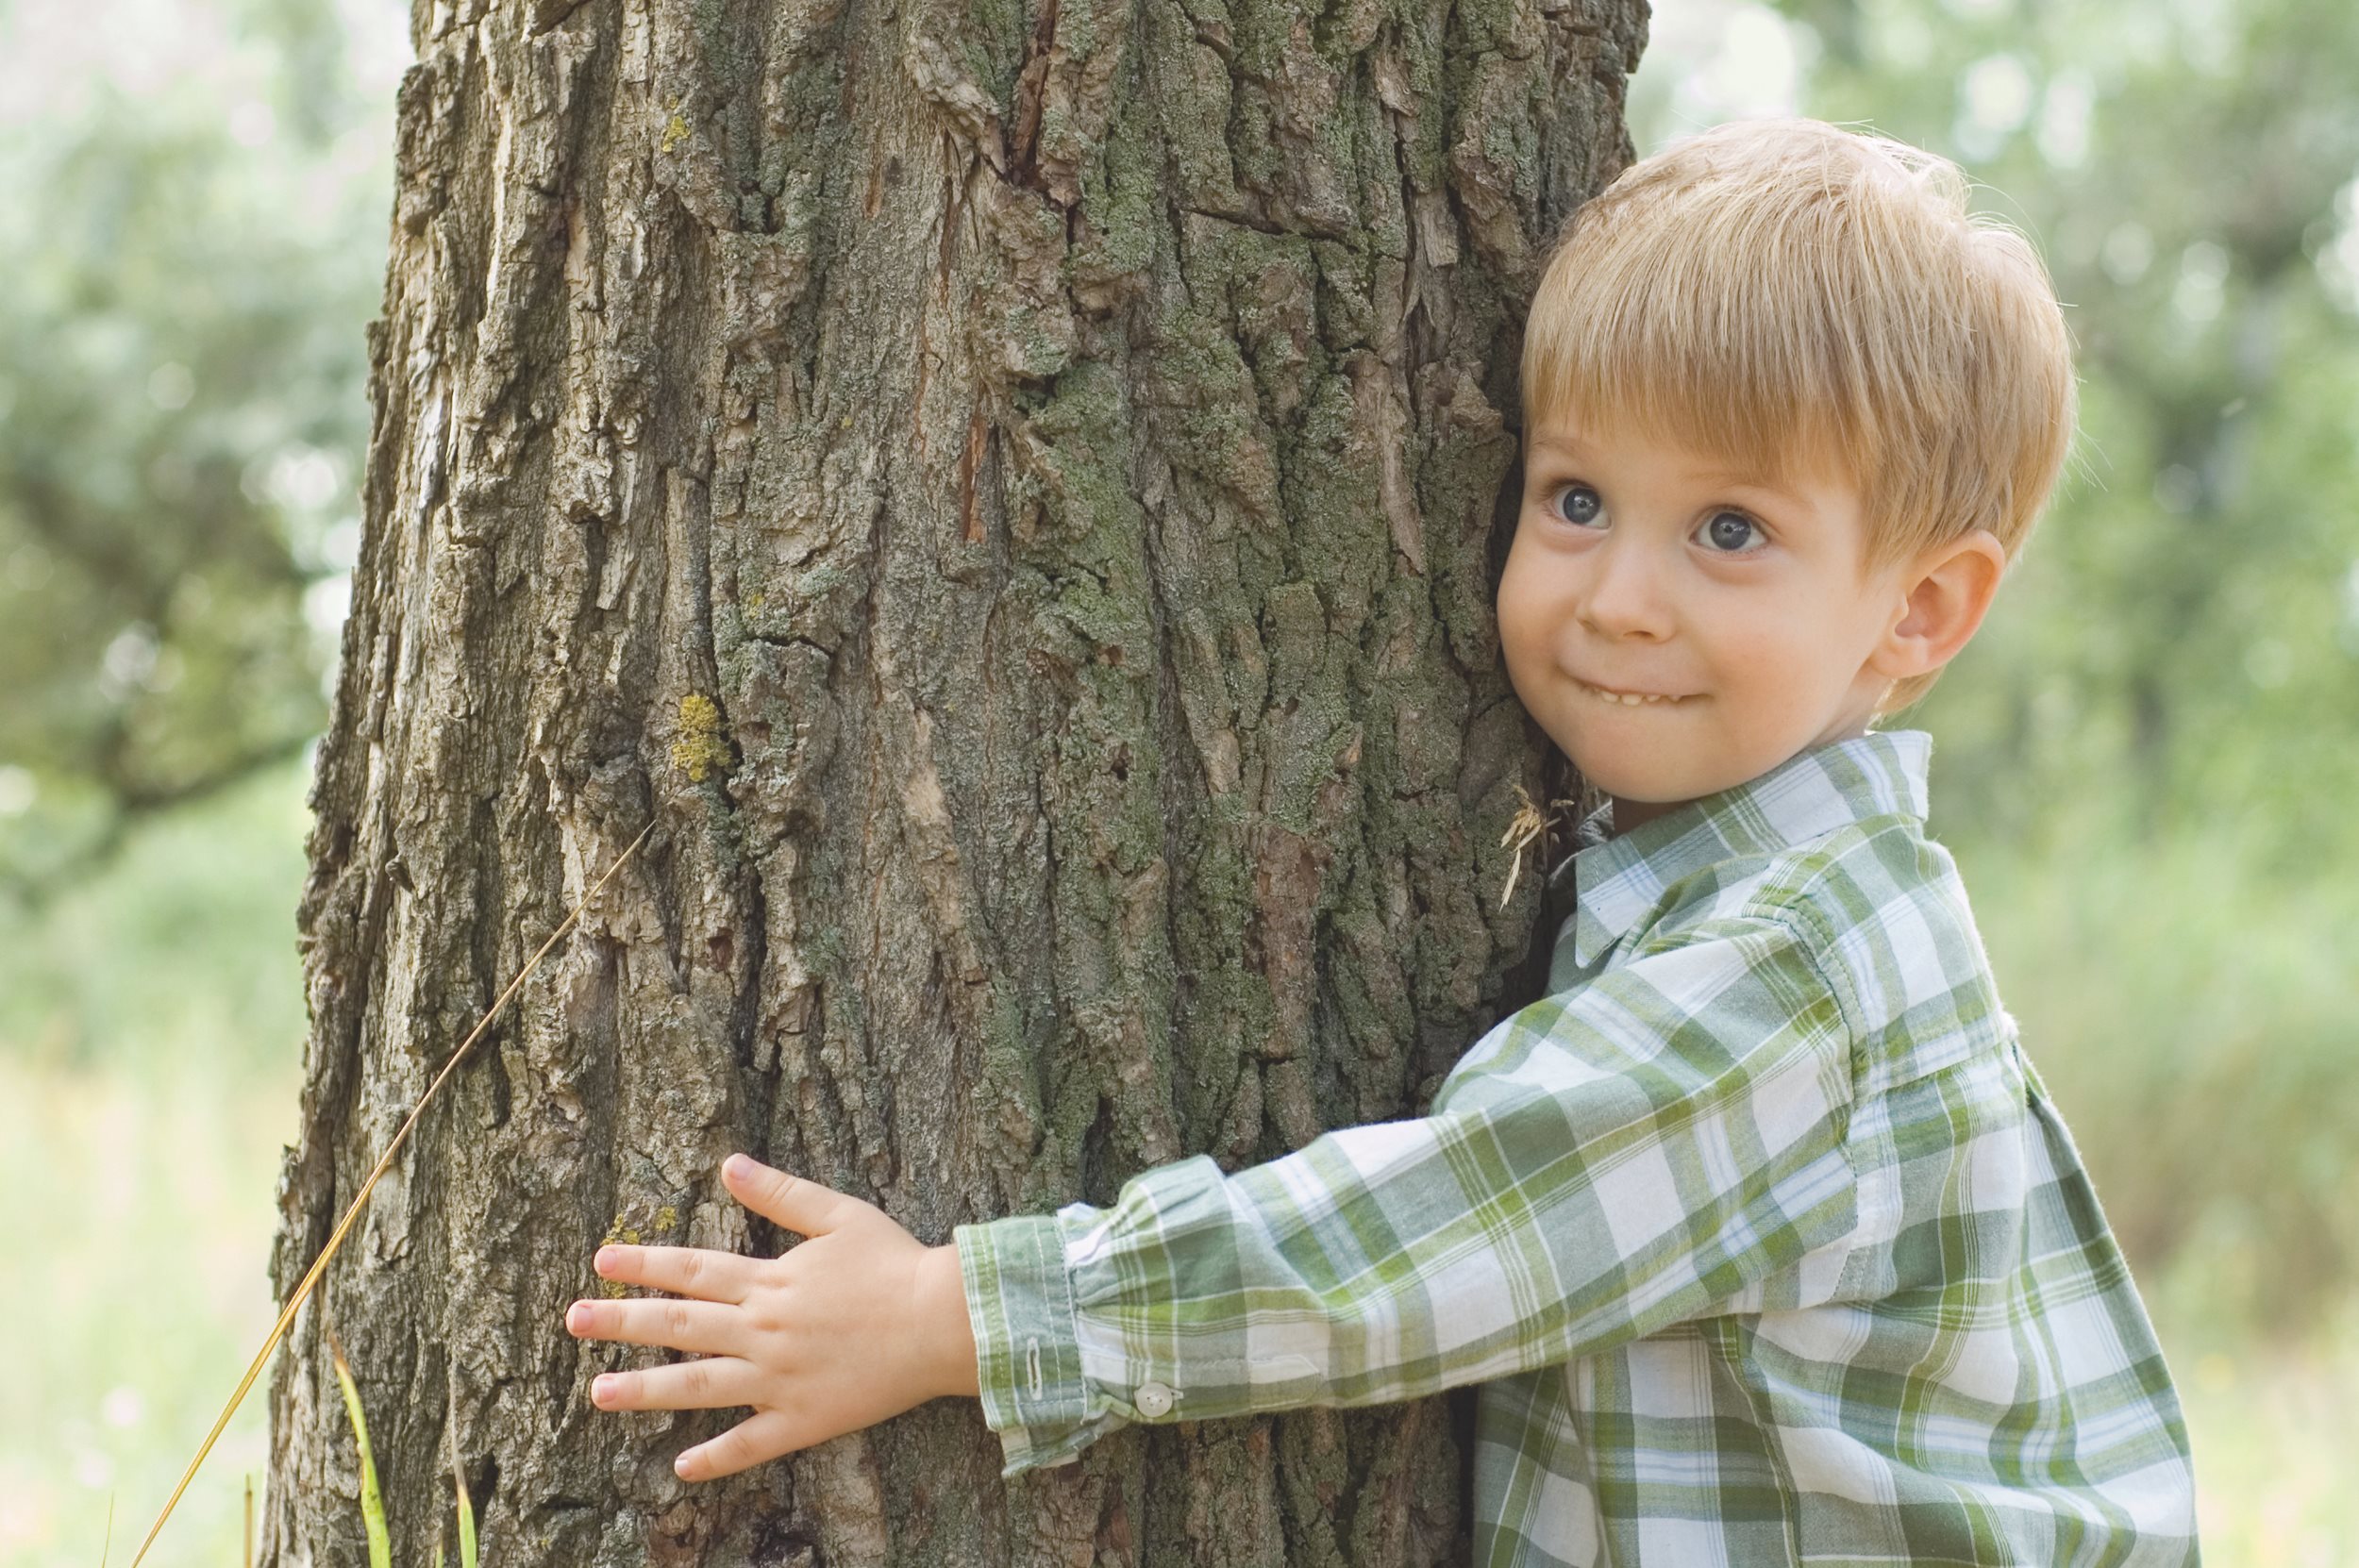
<point>1014,495</point>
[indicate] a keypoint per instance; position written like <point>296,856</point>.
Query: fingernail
<point>601,1386</point>
<point>606,1257</point>
<point>679,1467</point>
<point>739,1167</point>
<point>578,1315</point>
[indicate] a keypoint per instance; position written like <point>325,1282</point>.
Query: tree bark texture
<point>1015,493</point>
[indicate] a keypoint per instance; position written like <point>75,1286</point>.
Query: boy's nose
<point>1624,596</point>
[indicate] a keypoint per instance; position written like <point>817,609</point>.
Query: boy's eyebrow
<point>1732,478</point>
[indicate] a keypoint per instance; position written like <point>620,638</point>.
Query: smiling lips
<point>1627,699</point>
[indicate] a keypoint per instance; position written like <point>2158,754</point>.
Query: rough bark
<point>1013,492</point>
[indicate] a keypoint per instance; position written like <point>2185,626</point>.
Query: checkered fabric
<point>1760,1233</point>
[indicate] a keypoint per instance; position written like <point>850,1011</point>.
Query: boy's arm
<point>1646,1148</point>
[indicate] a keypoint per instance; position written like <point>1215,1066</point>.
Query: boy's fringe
<point>335,1240</point>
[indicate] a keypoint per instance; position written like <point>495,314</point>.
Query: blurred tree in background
<point>2187,168</point>
<point>194,237</point>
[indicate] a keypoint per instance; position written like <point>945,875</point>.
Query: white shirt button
<point>1153,1399</point>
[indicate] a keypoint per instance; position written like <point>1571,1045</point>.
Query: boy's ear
<point>1947,592</point>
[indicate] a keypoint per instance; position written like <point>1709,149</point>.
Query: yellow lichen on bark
<point>700,747</point>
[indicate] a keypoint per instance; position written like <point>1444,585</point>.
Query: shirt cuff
<point>1027,1347</point>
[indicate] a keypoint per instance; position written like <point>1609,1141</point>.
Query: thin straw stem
<point>295,1301</point>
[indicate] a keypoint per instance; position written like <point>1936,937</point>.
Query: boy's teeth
<point>1628,698</point>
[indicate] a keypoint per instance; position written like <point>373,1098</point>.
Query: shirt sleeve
<point>1647,1147</point>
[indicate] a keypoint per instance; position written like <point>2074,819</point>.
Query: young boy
<point>1760,1232</point>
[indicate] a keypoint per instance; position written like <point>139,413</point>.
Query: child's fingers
<point>712,1384</point>
<point>682,1271</point>
<point>796,1203</point>
<point>743,1446</point>
<point>699,1326</point>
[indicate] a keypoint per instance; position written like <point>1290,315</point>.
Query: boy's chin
<point>1658,782</point>
<point>1632,770</point>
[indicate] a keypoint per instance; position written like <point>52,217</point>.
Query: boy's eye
<point>1727,530</point>
<point>1580,504</point>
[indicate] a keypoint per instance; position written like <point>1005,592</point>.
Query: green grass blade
<point>372,1501</point>
<point>466,1534</point>
<point>466,1506</point>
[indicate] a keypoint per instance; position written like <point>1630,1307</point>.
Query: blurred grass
<point>139,1296</point>
<point>2272,1430</point>
<point>2188,1002</point>
<point>151,1028</point>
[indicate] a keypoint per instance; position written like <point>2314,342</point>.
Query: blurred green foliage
<point>2181,634</point>
<point>191,254</point>
<point>2142,762</point>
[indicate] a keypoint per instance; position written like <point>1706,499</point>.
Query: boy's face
<point>1639,566</point>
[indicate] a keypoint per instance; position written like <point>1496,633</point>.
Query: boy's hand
<point>857,1323</point>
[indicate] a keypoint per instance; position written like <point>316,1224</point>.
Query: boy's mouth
<point>1629,699</point>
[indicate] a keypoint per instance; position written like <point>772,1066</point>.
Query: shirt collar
<point>1616,879</point>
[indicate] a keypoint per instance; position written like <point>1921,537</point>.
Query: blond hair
<point>1784,293</point>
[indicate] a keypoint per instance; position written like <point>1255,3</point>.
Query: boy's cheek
<point>1516,611</point>
<point>1524,642</point>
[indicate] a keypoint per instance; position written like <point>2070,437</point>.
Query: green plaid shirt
<point>1760,1232</point>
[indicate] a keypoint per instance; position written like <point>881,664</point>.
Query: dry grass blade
<point>1527,825</point>
<point>319,1266</point>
